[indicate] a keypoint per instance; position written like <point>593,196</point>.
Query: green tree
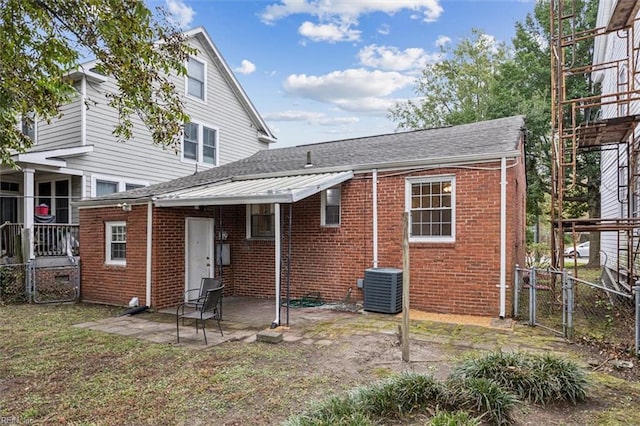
<point>510,81</point>
<point>458,89</point>
<point>41,42</point>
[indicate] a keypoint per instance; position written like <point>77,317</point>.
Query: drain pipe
<point>149,248</point>
<point>503,237</point>
<point>375,217</point>
<point>278,249</point>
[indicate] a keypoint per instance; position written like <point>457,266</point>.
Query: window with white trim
<point>430,202</point>
<point>200,144</point>
<point>57,196</point>
<point>29,126</point>
<point>116,243</point>
<point>196,79</point>
<point>330,207</point>
<point>105,185</point>
<point>260,221</point>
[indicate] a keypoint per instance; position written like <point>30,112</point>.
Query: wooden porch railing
<point>10,238</point>
<point>55,239</point>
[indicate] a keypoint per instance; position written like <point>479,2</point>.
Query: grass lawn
<point>54,373</point>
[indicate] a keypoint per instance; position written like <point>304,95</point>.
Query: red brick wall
<point>168,266</point>
<point>109,283</point>
<point>460,277</point>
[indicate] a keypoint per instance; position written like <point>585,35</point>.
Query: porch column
<point>278,249</point>
<point>27,213</point>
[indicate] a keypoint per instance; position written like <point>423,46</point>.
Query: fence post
<point>636,289</point>
<point>28,281</point>
<point>516,291</point>
<point>532,297</point>
<point>568,283</point>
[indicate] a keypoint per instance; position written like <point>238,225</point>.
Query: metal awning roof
<point>285,189</point>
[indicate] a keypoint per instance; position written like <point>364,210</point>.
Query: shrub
<point>457,418</point>
<point>390,398</point>
<point>339,411</point>
<point>400,395</point>
<point>486,398</point>
<point>539,379</point>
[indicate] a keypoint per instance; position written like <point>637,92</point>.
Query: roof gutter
<point>96,204</point>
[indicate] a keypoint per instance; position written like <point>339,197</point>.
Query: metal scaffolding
<point>598,122</point>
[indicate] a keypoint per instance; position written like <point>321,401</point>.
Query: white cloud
<point>328,32</point>
<point>246,67</point>
<point>367,105</point>
<point>391,58</point>
<point>181,14</point>
<point>314,118</point>
<point>349,9</point>
<point>350,90</point>
<point>384,29</point>
<point>442,40</point>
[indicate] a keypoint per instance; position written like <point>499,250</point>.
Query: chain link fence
<point>28,282</point>
<point>602,314</point>
<point>14,283</point>
<point>575,308</point>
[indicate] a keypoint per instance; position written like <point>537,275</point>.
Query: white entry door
<point>198,252</point>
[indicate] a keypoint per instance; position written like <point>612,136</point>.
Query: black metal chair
<point>206,284</point>
<point>207,310</point>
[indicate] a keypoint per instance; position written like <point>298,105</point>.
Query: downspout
<point>278,248</point>
<point>375,217</point>
<point>149,247</point>
<point>83,111</point>
<point>503,237</point>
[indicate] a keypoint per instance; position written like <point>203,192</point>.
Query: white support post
<point>375,217</point>
<point>28,213</point>
<point>149,248</point>
<point>503,237</point>
<point>278,250</point>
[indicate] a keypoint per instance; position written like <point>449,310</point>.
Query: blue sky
<point>321,70</point>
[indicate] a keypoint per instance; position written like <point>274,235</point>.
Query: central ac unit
<point>383,290</point>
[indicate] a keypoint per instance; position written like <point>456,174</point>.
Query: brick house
<point>315,217</point>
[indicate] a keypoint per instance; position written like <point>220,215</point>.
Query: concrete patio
<point>242,319</point>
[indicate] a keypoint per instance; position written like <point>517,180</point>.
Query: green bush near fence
<point>479,389</point>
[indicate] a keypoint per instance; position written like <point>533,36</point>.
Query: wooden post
<point>405,287</point>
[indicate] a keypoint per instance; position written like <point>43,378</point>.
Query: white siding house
<point>614,55</point>
<point>76,156</point>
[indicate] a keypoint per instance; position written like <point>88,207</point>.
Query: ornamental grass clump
<point>391,398</point>
<point>400,395</point>
<point>485,398</point>
<point>337,410</point>
<point>539,379</point>
<point>455,418</point>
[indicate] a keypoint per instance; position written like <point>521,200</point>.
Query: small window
<point>260,221</point>
<point>209,145</point>
<point>431,205</point>
<point>104,187</point>
<point>330,213</point>
<point>196,83</point>
<point>130,186</point>
<point>190,144</point>
<point>28,126</point>
<point>116,243</point>
<point>200,144</point>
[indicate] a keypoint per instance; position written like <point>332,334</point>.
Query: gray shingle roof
<point>483,138</point>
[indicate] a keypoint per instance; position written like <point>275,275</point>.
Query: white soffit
<point>285,189</point>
